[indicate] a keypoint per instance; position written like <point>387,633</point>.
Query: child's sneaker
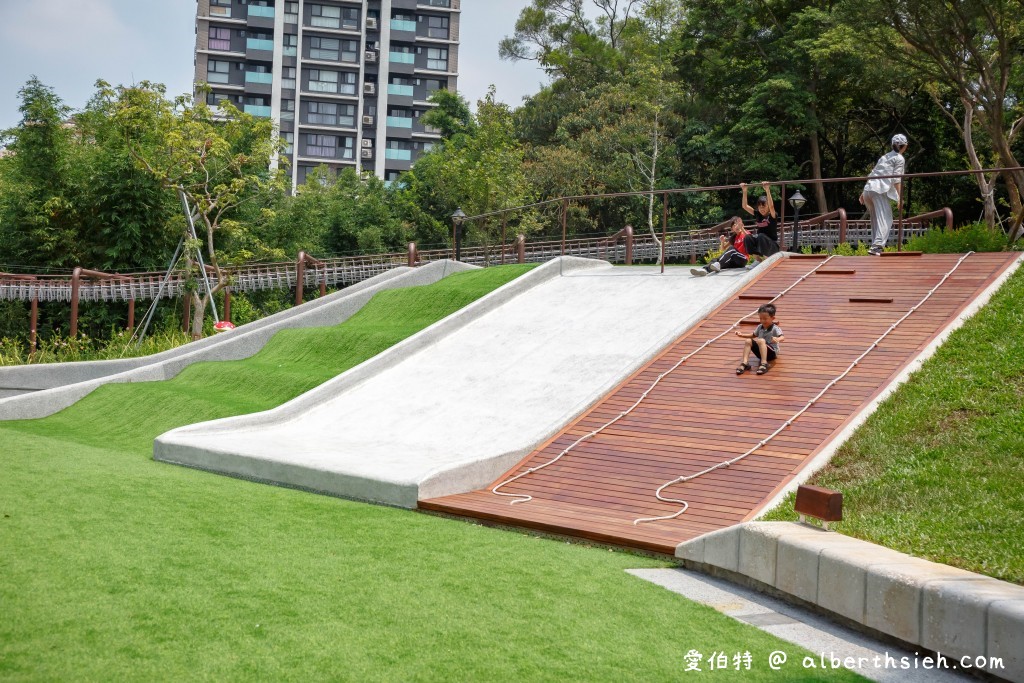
<point>751,265</point>
<point>698,272</point>
<point>716,267</point>
<point>875,251</point>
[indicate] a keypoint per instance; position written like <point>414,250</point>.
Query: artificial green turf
<point>117,567</point>
<point>938,470</point>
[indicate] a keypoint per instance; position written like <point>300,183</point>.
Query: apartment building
<point>346,80</point>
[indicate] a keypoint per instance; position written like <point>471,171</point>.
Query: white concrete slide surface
<point>59,385</point>
<point>964,616</point>
<point>451,408</point>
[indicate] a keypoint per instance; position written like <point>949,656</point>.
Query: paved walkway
<point>826,641</point>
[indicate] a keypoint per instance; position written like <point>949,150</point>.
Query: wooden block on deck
<point>869,300</point>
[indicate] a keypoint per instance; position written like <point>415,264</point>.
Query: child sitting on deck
<point>764,341</point>
<point>734,250</point>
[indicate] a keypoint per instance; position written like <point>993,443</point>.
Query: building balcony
<point>399,122</point>
<point>258,110</point>
<point>259,44</point>
<point>399,154</point>
<point>402,25</point>
<point>257,11</point>
<point>259,78</point>
<point>402,58</point>
<point>400,90</point>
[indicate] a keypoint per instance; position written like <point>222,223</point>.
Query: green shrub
<point>970,237</point>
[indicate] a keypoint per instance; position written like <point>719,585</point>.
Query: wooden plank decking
<point>703,414</point>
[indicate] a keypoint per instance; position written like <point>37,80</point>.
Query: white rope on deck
<point>787,423</point>
<point>522,497</point>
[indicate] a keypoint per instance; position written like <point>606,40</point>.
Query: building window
<point>439,3</point>
<point>217,72</point>
<point>323,113</point>
<point>349,51</point>
<point>220,8</point>
<point>437,27</point>
<point>220,38</point>
<point>325,16</point>
<point>291,43</point>
<point>323,81</point>
<point>432,85</point>
<point>324,48</point>
<point>287,110</point>
<point>289,142</point>
<point>437,58</point>
<point>291,12</point>
<point>288,78</point>
<point>321,145</point>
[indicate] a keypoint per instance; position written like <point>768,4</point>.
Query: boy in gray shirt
<point>764,341</point>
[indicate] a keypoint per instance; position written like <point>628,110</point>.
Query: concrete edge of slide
<point>947,610</point>
<point>28,378</point>
<point>167,448</point>
<point>461,478</point>
<point>824,456</point>
<point>241,343</point>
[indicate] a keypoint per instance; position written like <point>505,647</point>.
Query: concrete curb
<point>242,343</point>
<point>824,456</point>
<point>947,610</point>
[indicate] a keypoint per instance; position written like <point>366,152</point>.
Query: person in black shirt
<point>765,241</point>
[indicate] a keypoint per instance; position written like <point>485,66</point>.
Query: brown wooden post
<point>664,227</point>
<point>842,226</point>
<point>565,214</point>
<point>323,283</point>
<point>33,325</point>
<point>504,226</point>
<point>300,277</point>
<point>949,217</point>
<point>76,281</point>
<point>629,244</point>
<point>521,248</point>
<point>412,254</point>
<point>227,304</point>
<point>131,314</point>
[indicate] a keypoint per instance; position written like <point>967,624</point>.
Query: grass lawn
<point>938,470</point>
<point>116,567</point>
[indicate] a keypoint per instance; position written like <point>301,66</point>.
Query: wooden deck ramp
<point>703,414</point>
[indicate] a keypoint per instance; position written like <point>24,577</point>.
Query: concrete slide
<point>34,391</point>
<point>451,408</point>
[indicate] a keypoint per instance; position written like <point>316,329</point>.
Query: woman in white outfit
<point>879,191</point>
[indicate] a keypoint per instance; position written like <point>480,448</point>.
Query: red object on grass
<point>223,326</point>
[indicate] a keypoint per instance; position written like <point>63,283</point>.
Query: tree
<point>479,171</point>
<point>974,48</point>
<point>217,159</point>
<point>39,219</point>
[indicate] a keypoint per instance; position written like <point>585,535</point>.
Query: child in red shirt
<point>734,251</point>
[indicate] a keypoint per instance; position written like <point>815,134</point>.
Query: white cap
<point>899,140</point>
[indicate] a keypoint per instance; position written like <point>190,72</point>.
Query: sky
<point>70,44</point>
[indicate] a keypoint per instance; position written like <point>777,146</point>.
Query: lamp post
<point>796,201</point>
<point>457,219</point>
